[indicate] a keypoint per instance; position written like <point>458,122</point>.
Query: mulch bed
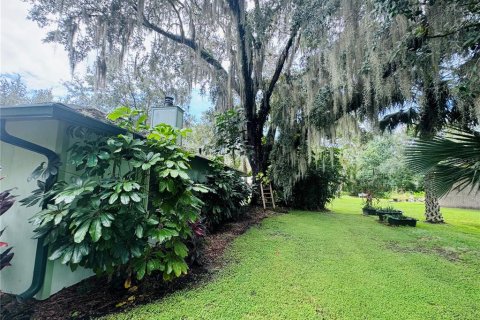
<point>95,297</point>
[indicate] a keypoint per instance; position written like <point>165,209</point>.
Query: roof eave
<point>57,111</point>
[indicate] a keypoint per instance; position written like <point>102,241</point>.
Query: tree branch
<point>182,32</point>
<point>280,63</point>
<point>265,107</point>
<point>446,34</point>
<point>248,96</point>
<point>204,54</point>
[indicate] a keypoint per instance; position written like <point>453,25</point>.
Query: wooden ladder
<point>267,195</point>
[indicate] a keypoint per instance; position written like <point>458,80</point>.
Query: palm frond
<point>453,160</point>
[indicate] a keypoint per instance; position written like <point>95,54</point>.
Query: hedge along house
<point>35,134</point>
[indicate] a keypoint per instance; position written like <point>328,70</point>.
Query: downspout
<point>41,253</point>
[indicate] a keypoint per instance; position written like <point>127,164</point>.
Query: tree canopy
<point>129,84</point>
<point>13,90</point>
<point>304,68</point>
<point>374,56</point>
<point>378,63</point>
<point>236,49</point>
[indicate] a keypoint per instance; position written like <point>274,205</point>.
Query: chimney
<point>168,113</point>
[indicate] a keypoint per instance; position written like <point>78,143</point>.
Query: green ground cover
<point>340,265</point>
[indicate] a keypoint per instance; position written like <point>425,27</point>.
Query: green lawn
<point>340,265</point>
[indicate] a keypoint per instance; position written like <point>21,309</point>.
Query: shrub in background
<point>317,188</point>
<point>313,189</point>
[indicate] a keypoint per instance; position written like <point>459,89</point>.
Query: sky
<point>45,65</point>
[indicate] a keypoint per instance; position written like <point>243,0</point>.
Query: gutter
<point>41,253</point>
<point>58,111</point>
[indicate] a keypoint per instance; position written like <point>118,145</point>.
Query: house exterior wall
<point>58,275</point>
<point>17,165</point>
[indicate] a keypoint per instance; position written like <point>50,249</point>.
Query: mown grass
<point>340,265</point>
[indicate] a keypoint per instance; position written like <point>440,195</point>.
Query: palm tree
<point>432,205</point>
<point>424,128</point>
<point>450,161</point>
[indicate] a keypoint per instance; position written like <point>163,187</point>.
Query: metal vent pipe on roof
<point>168,101</point>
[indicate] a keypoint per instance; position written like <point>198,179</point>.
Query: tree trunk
<point>432,207</point>
<point>258,154</point>
<point>255,153</point>
<point>254,146</point>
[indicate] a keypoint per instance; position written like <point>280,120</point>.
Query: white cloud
<point>41,65</point>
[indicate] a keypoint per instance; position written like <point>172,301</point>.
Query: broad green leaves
<point>100,219</point>
<point>71,192</point>
<point>225,194</point>
<point>180,249</point>
<point>96,229</point>
<point>146,161</point>
<point>81,232</point>
<point>178,267</point>
<point>130,119</point>
<point>228,138</point>
<point>164,234</point>
<point>124,192</point>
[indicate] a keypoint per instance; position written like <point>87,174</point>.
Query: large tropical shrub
<point>109,218</point>
<point>313,189</point>
<point>228,195</point>
<point>318,187</point>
